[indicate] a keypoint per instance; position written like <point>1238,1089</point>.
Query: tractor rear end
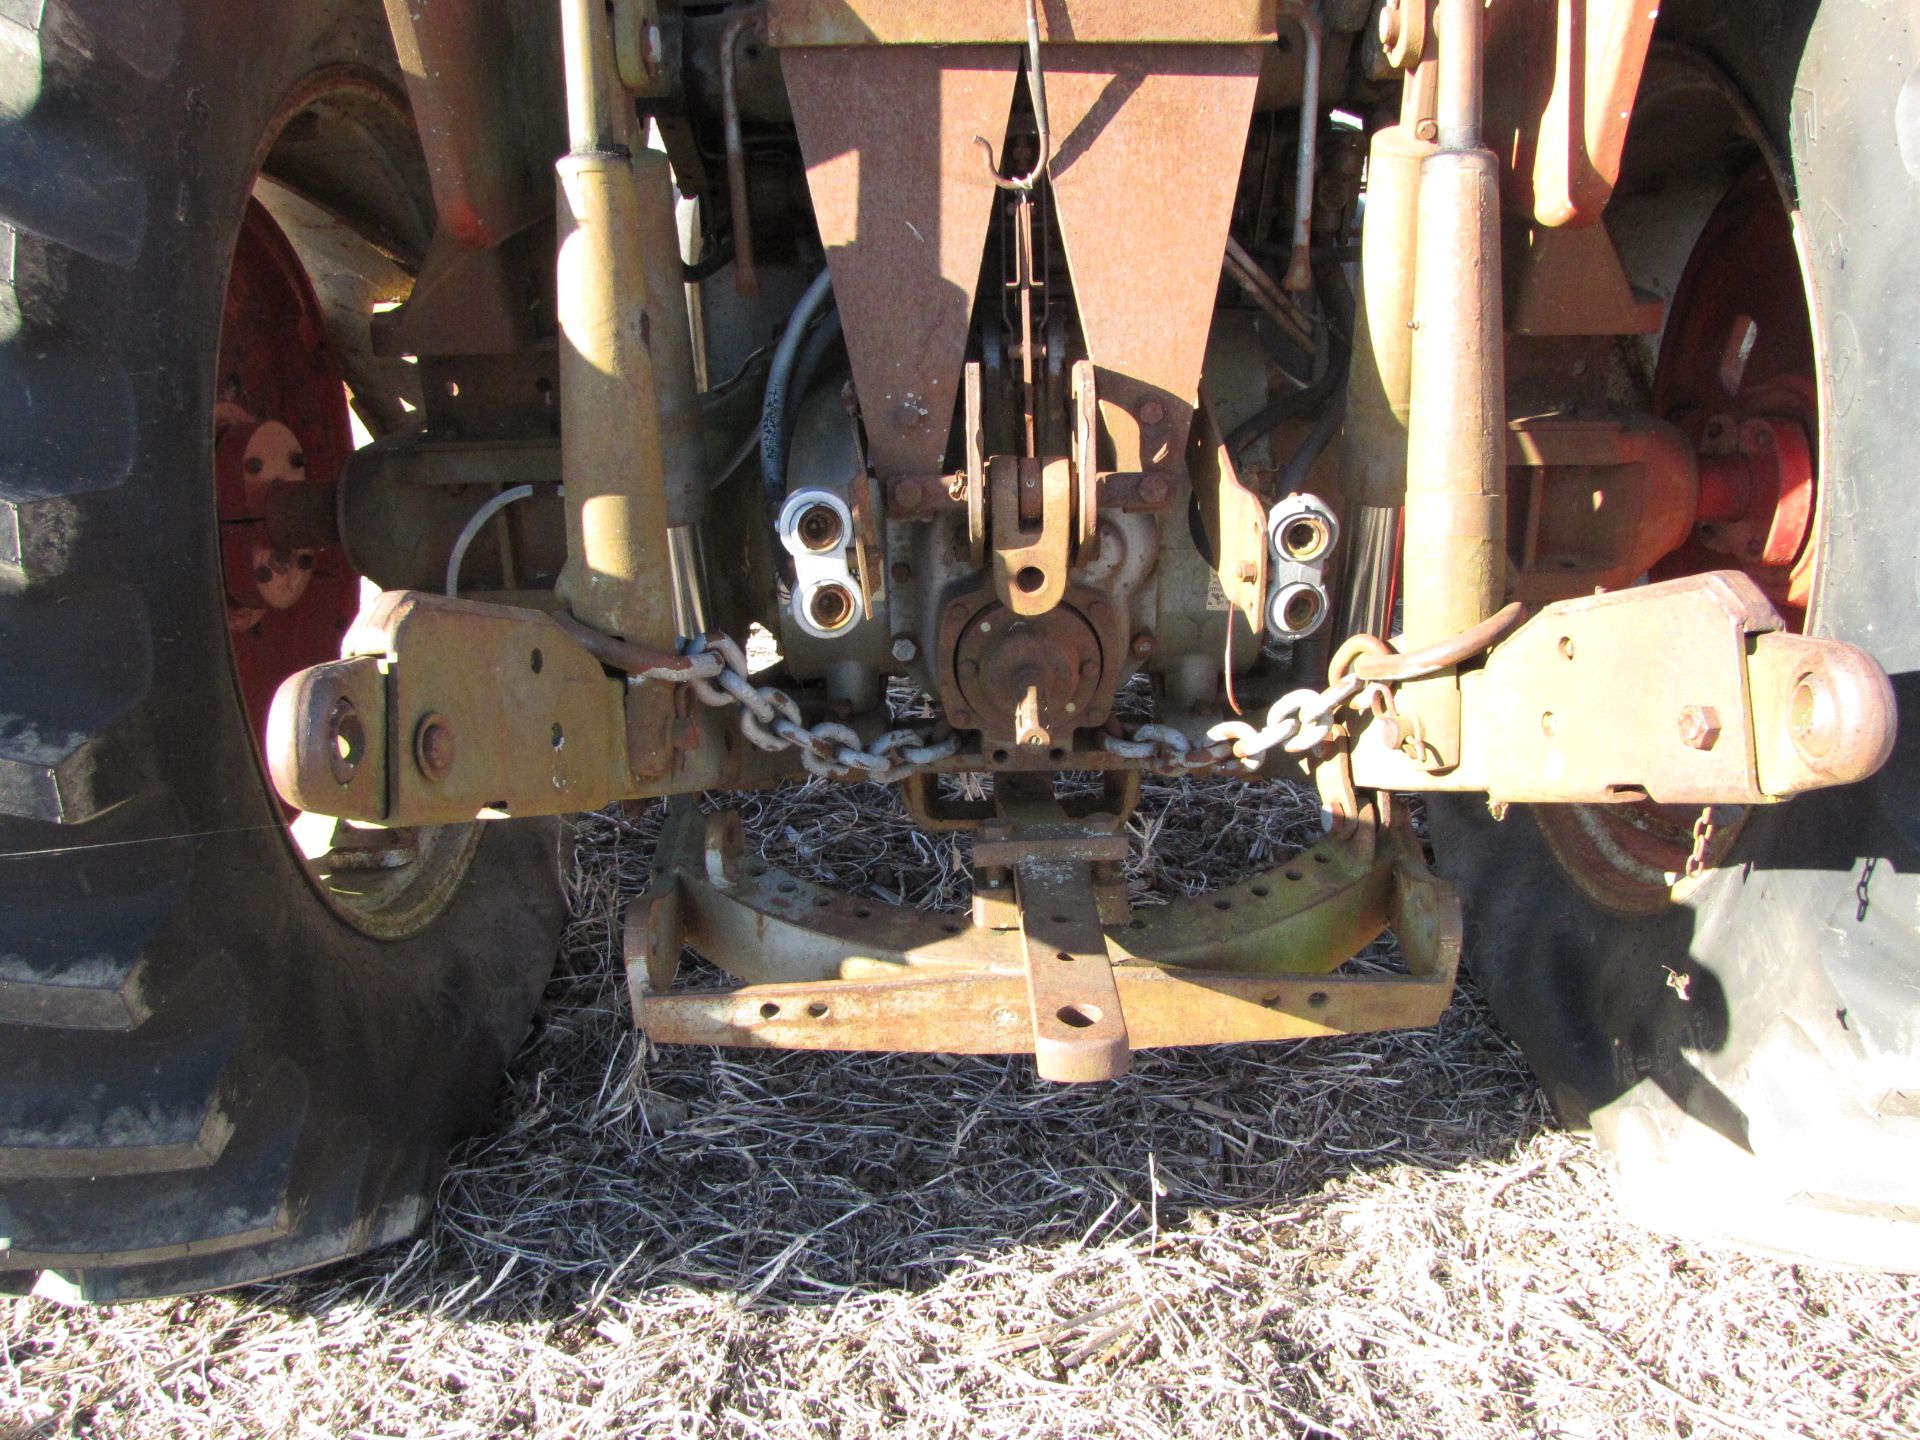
<point>1463,410</point>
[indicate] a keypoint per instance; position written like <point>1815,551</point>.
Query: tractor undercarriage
<point>1077,436</point>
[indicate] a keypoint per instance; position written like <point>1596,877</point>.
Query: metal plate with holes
<point>429,739</point>
<point>832,972</point>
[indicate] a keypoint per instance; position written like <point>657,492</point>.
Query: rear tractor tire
<point>1745,1043</point>
<point>223,1060</point>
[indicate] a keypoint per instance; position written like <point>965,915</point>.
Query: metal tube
<point>1373,463</point>
<point>689,581</point>
<point>1373,557</point>
<point>621,406</point>
<point>599,116</point>
<point>1462,59</point>
<point>1300,264</point>
<point>1454,562</point>
<point>746,280</point>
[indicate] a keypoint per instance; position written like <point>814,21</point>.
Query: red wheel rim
<point>281,437</point>
<point>1737,374</point>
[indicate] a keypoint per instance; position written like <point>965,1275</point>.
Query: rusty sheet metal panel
<point>902,203</point>
<point>487,127</point>
<point>1147,146</point>
<point>1559,90</point>
<point>943,22</point>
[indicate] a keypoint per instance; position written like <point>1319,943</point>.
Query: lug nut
<point>1699,726</point>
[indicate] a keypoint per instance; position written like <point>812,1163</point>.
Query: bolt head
<point>906,494</point>
<point>1390,24</point>
<point>433,746</point>
<point>1143,644</point>
<point>904,649</point>
<point>1699,726</point>
<point>1152,412</point>
<point>1154,488</point>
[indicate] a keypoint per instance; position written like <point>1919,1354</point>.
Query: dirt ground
<point>1373,1237</point>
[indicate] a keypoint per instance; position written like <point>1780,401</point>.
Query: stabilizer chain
<point>715,666</point>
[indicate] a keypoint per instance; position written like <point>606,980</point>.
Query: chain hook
<point>1037,92</point>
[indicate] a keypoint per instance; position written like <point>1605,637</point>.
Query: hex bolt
<point>1699,726</point>
<point>904,650</point>
<point>433,745</point>
<point>1152,412</point>
<point>906,494</point>
<point>1154,488</point>
<point>1143,644</point>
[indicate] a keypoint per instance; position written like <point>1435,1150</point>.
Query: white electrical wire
<point>474,526</point>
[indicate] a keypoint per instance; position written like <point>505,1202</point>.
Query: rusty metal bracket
<point>1107,22</point>
<point>449,710</point>
<point>834,972</point>
<point>1030,558</point>
<point>1684,692</point>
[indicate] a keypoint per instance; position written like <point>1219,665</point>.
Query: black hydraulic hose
<point>716,257</point>
<point>1338,297</point>
<point>1329,386</point>
<point>813,355</point>
<point>773,409</point>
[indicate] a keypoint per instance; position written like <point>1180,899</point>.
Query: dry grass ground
<point>1369,1237</point>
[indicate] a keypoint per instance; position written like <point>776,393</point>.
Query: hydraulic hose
<point>780,374</point>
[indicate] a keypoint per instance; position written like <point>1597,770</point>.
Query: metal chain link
<point>1702,840</point>
<point>1297,722</point>
<point>770,719</point>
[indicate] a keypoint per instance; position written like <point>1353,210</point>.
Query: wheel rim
<point>281,438</point>
<point>282,435</point>
<point>1737,374</point>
